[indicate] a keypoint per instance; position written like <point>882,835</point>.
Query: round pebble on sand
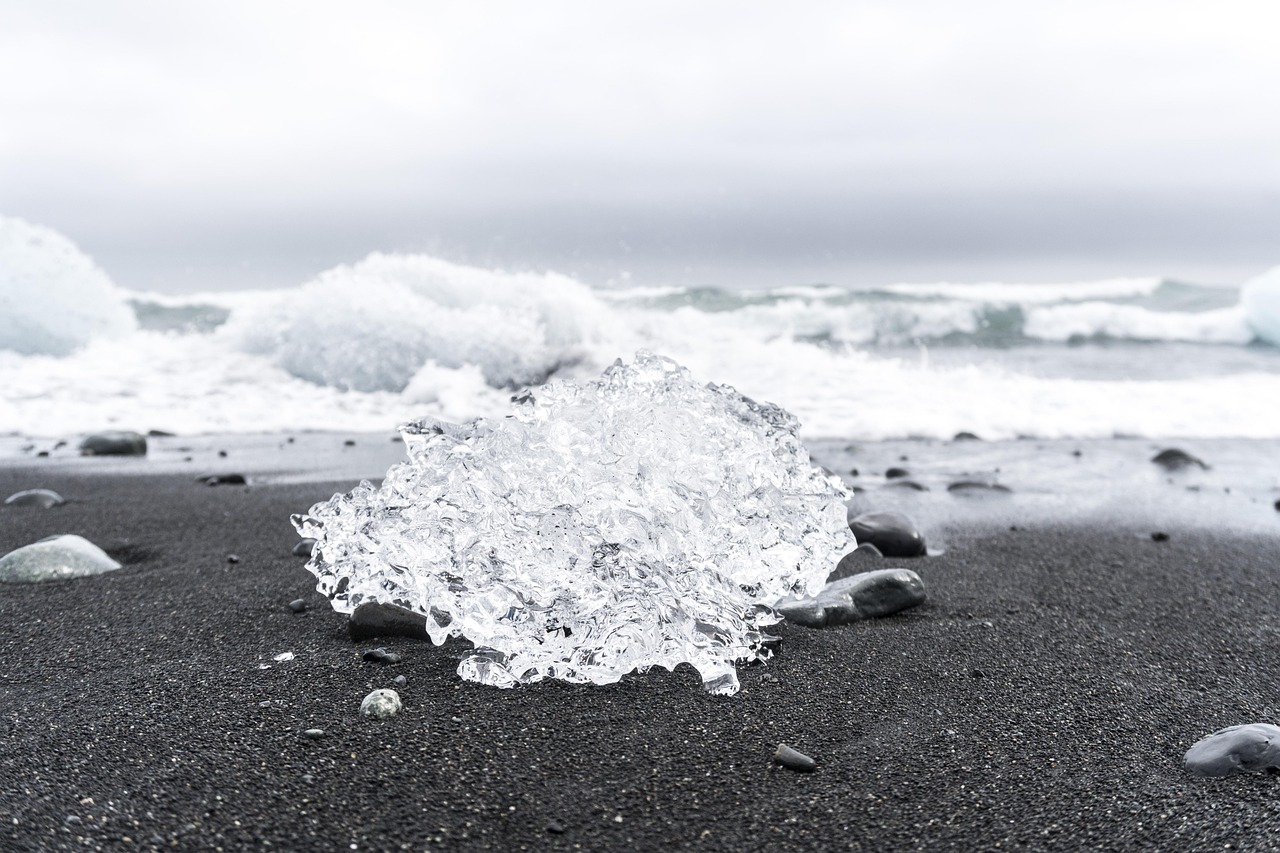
<point>381,704</point>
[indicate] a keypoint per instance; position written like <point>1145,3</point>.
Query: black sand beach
<point>1042,699</point>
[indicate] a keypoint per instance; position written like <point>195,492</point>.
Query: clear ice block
<point>641,519</point>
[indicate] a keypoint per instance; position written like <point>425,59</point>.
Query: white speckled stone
<point>381,704</point>
<point>1236,749</point>
<point>55,558</point>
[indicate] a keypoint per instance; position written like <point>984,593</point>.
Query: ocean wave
<point>373,325</point>
<point>1260,298</point>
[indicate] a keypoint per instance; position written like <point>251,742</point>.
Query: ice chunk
<point>55,558</point>
<point>641,519</point>
<point>1261,300</point>
<point>53,298</point>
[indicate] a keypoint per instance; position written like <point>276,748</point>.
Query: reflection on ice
<point>642,519</point>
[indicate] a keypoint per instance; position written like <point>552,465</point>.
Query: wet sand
<point>1042,699</point>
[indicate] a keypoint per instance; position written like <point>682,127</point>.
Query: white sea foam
<point>53,298</point>
<point>1030,294</point>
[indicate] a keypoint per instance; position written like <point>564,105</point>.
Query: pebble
<point>222,453</point>
<point>1174,459</point>
<point>313,734</point>
<point>304,548</point>
<point>400,681</point>
<point>867,595</point>
<point>976,488</point>
<point>385,620</point>
<point>350,442</point>
<point>298,605</point>
<point>114,443</point>
<point>1236,749</point>
<point>911,485</point>
<point>555,827</point>
<point>1160,536</point>
<point>381,655</point>
<point>55,558</point>
<point>43,498</point>
<point>895,473</point>
<point>965,436</point>
<point>855,561</point>
<point>894,533</point>
<point>793,759</point>
<point>381,704</point>
<point>1277,505</point>
<point>232,558</point>
<point>223,480</point>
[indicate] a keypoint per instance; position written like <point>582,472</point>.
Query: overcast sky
<point>188,145</point>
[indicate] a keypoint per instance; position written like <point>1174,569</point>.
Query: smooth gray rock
<point>385,620</point>
<point>1175,459</point>
<point>856,561</point>
<point>894,533</point>
<point>1237,749</point>
<point>43,498</point>
<point>867,595</point>
<point>978,489</point>
<point>793,759</point>
<point>304,548</point>
<point>381,704</point>
<point>55,558</point>
<point>114,443</point>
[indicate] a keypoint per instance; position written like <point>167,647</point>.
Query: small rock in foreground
<point>385,620</point>
<point>313,734</point>
<point>868,595</point>
<point>224,480</point>
<point>304,548</point>
<point>894,533</point>
<point>114,443</point>
<point>793,759</point>
<point>55,558</point>
<point>43,498</point>
<point>965,436</point>
<point>855,561</point>
<point>298,605</point>
<point>895,473</point>
<point>1237,749</point>
<point>381,655</point>
<point>381,704</point>
<point>1159,536</point>
<point>1174,459</point>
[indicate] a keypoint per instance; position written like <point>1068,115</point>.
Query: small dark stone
<point>298,605</point>
<point>855,561</point>
<point>59,444</point>
<point>304,548</point>
<point>894,533</point>
<point>400,681</point>
<point>222,453</point>
<point>232,558</point>
<point>159,433</point>
<point>381,655</point>
<point>397,439</point>
<point>1277,505</point>
<point>114,443</point>
<point>313,734</point>
<point>384,620</point>
<point>977,673</point>
<point>555,827</point>
<point>350,442</point>
<point>866,595</point>
<point>43,498</point>
<point>895,473</point>
<point>907,485</point>
<point>72,820</point>
<point>1077,453</point>
<point>853,472</point>
<point>965,436</point>
<point>223,480</point>
<point>976,488</point>
<point>42,453</point>
<point>793,759</point>
<point>290,439</point>
<point>1160,536</point>
<point>1174,459</point>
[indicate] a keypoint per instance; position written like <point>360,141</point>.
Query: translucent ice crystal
<point>641,519</point>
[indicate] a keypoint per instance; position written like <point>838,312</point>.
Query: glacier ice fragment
<point>641,519</point>
<point>55,558</point>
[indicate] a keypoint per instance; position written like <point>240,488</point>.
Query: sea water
<point>391,338</point>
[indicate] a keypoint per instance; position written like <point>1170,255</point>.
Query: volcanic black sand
<point>1042,699</point>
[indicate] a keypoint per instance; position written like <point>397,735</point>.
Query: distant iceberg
<point>53,298</point>
<point>1261,300</point>
<point>643,519</point>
